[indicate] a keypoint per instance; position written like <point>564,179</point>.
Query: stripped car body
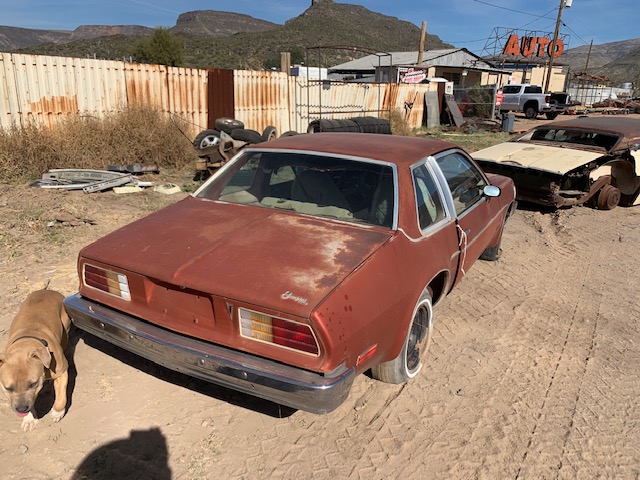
<point>571,162</point>
<point>301,263</point>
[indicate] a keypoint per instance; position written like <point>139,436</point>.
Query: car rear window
<point>578,137</point>
<point>357,191</point>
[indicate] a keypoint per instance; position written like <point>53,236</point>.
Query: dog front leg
<point>60,404</point>
<point>30,421</point>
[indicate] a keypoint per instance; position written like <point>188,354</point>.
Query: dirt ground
<point>532,373</point>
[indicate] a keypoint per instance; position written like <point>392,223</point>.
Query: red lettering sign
<point>530,46</point>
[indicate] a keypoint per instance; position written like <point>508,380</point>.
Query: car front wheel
<point>409,362</point>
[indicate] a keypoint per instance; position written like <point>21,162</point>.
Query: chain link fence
<point>477,101</point>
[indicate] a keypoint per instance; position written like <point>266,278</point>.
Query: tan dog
<point>35,353</point>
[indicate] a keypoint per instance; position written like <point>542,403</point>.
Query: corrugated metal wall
<point>43,89</point>
<point>46,89</point>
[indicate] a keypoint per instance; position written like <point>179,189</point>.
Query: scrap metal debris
<point>89,181</point>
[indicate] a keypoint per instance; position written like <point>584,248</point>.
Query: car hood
<point>541,157</point>
<point>261,256</point>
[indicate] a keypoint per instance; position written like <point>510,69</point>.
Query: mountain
<point>218,24</point>
<point>14,38</point>
<point>620,61</point>
<point>230,40</point>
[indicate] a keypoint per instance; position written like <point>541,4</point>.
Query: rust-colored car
<point>572,162</point>
<point>301,263</point>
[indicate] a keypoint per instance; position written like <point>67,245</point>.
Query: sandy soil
<point>532,373</point>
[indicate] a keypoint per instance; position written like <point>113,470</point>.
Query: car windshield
<point>577,137</point>
<point>325,186</point>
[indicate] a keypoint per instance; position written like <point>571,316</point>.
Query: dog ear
<point>43,355</point>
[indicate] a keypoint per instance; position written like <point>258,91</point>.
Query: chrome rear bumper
<point>240,371</point>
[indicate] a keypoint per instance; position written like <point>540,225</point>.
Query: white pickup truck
<point>531,100</point>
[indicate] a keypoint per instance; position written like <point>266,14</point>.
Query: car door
<point>510,97</point>
<point>476,220</point>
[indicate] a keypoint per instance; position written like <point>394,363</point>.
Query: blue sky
<point>463,23</point>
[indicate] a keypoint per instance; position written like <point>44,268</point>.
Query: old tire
<point>608,198</point>
<point>551,115</point>
<point>206,138</point>
<point>246,135</point>
<point>409,362</point>
<point>270,133</point>
<point>228,125</point>
<point>492,254</point>
<point>289,133</point>
<point>530,111</point>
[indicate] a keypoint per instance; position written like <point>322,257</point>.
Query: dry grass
<point>133,135</point>
<point>398,123</point>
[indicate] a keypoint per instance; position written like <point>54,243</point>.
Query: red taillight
<point>277,331</point>
<point>293,335</point>
<point>547,99</point>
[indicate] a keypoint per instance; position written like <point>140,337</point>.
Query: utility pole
<point>555,41</point>
<point>586,67</point>
<point>422,39</point>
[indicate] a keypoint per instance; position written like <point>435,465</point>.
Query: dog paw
<point>29,422</point>
<point>56,415</point>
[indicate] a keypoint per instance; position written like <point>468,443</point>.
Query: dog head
<point>22,374</point>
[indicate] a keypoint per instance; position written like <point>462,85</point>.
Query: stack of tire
<point>355,124</point>
<point>234,128</point>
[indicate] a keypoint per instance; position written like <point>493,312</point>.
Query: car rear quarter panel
<point>373,307</point>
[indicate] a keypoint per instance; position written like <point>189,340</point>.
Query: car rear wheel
<point>608,198</point>
<point>409,362</point>
<point>530,111</point>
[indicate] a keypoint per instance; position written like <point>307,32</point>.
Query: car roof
<point>402,151</point>
<point>629,128</point>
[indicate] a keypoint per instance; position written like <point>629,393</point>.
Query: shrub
<point>137,134</point>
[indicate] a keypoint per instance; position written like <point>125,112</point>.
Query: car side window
<point>465,180</point>
<point>510,89</point>
<point>428,201</point>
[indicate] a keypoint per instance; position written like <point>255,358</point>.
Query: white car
<point>566,163</point>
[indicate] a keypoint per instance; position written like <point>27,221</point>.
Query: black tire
<point>530,111</point>
<point>206,138</point>
<point>551,115</point>
<point>314,127</point>
<point>228,125</point>
<point>373,125</point>
<point>246,135</point>
<point>347,125</point>
<point>270,133</point>
<point>409,362</point>
<point>608,198</point>
<point>492,254</point>
<point>289,133</point>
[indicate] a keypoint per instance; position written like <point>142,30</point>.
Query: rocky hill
<point>229,40</point>
<point>212,23</point>
<point>619,61</point>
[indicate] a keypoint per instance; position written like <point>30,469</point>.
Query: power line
<point>512,10</point>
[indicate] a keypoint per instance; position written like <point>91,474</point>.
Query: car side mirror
<point>491,191</point>
<point>635,146</point>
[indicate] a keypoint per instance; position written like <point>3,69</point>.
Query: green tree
<point>162,47</point>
